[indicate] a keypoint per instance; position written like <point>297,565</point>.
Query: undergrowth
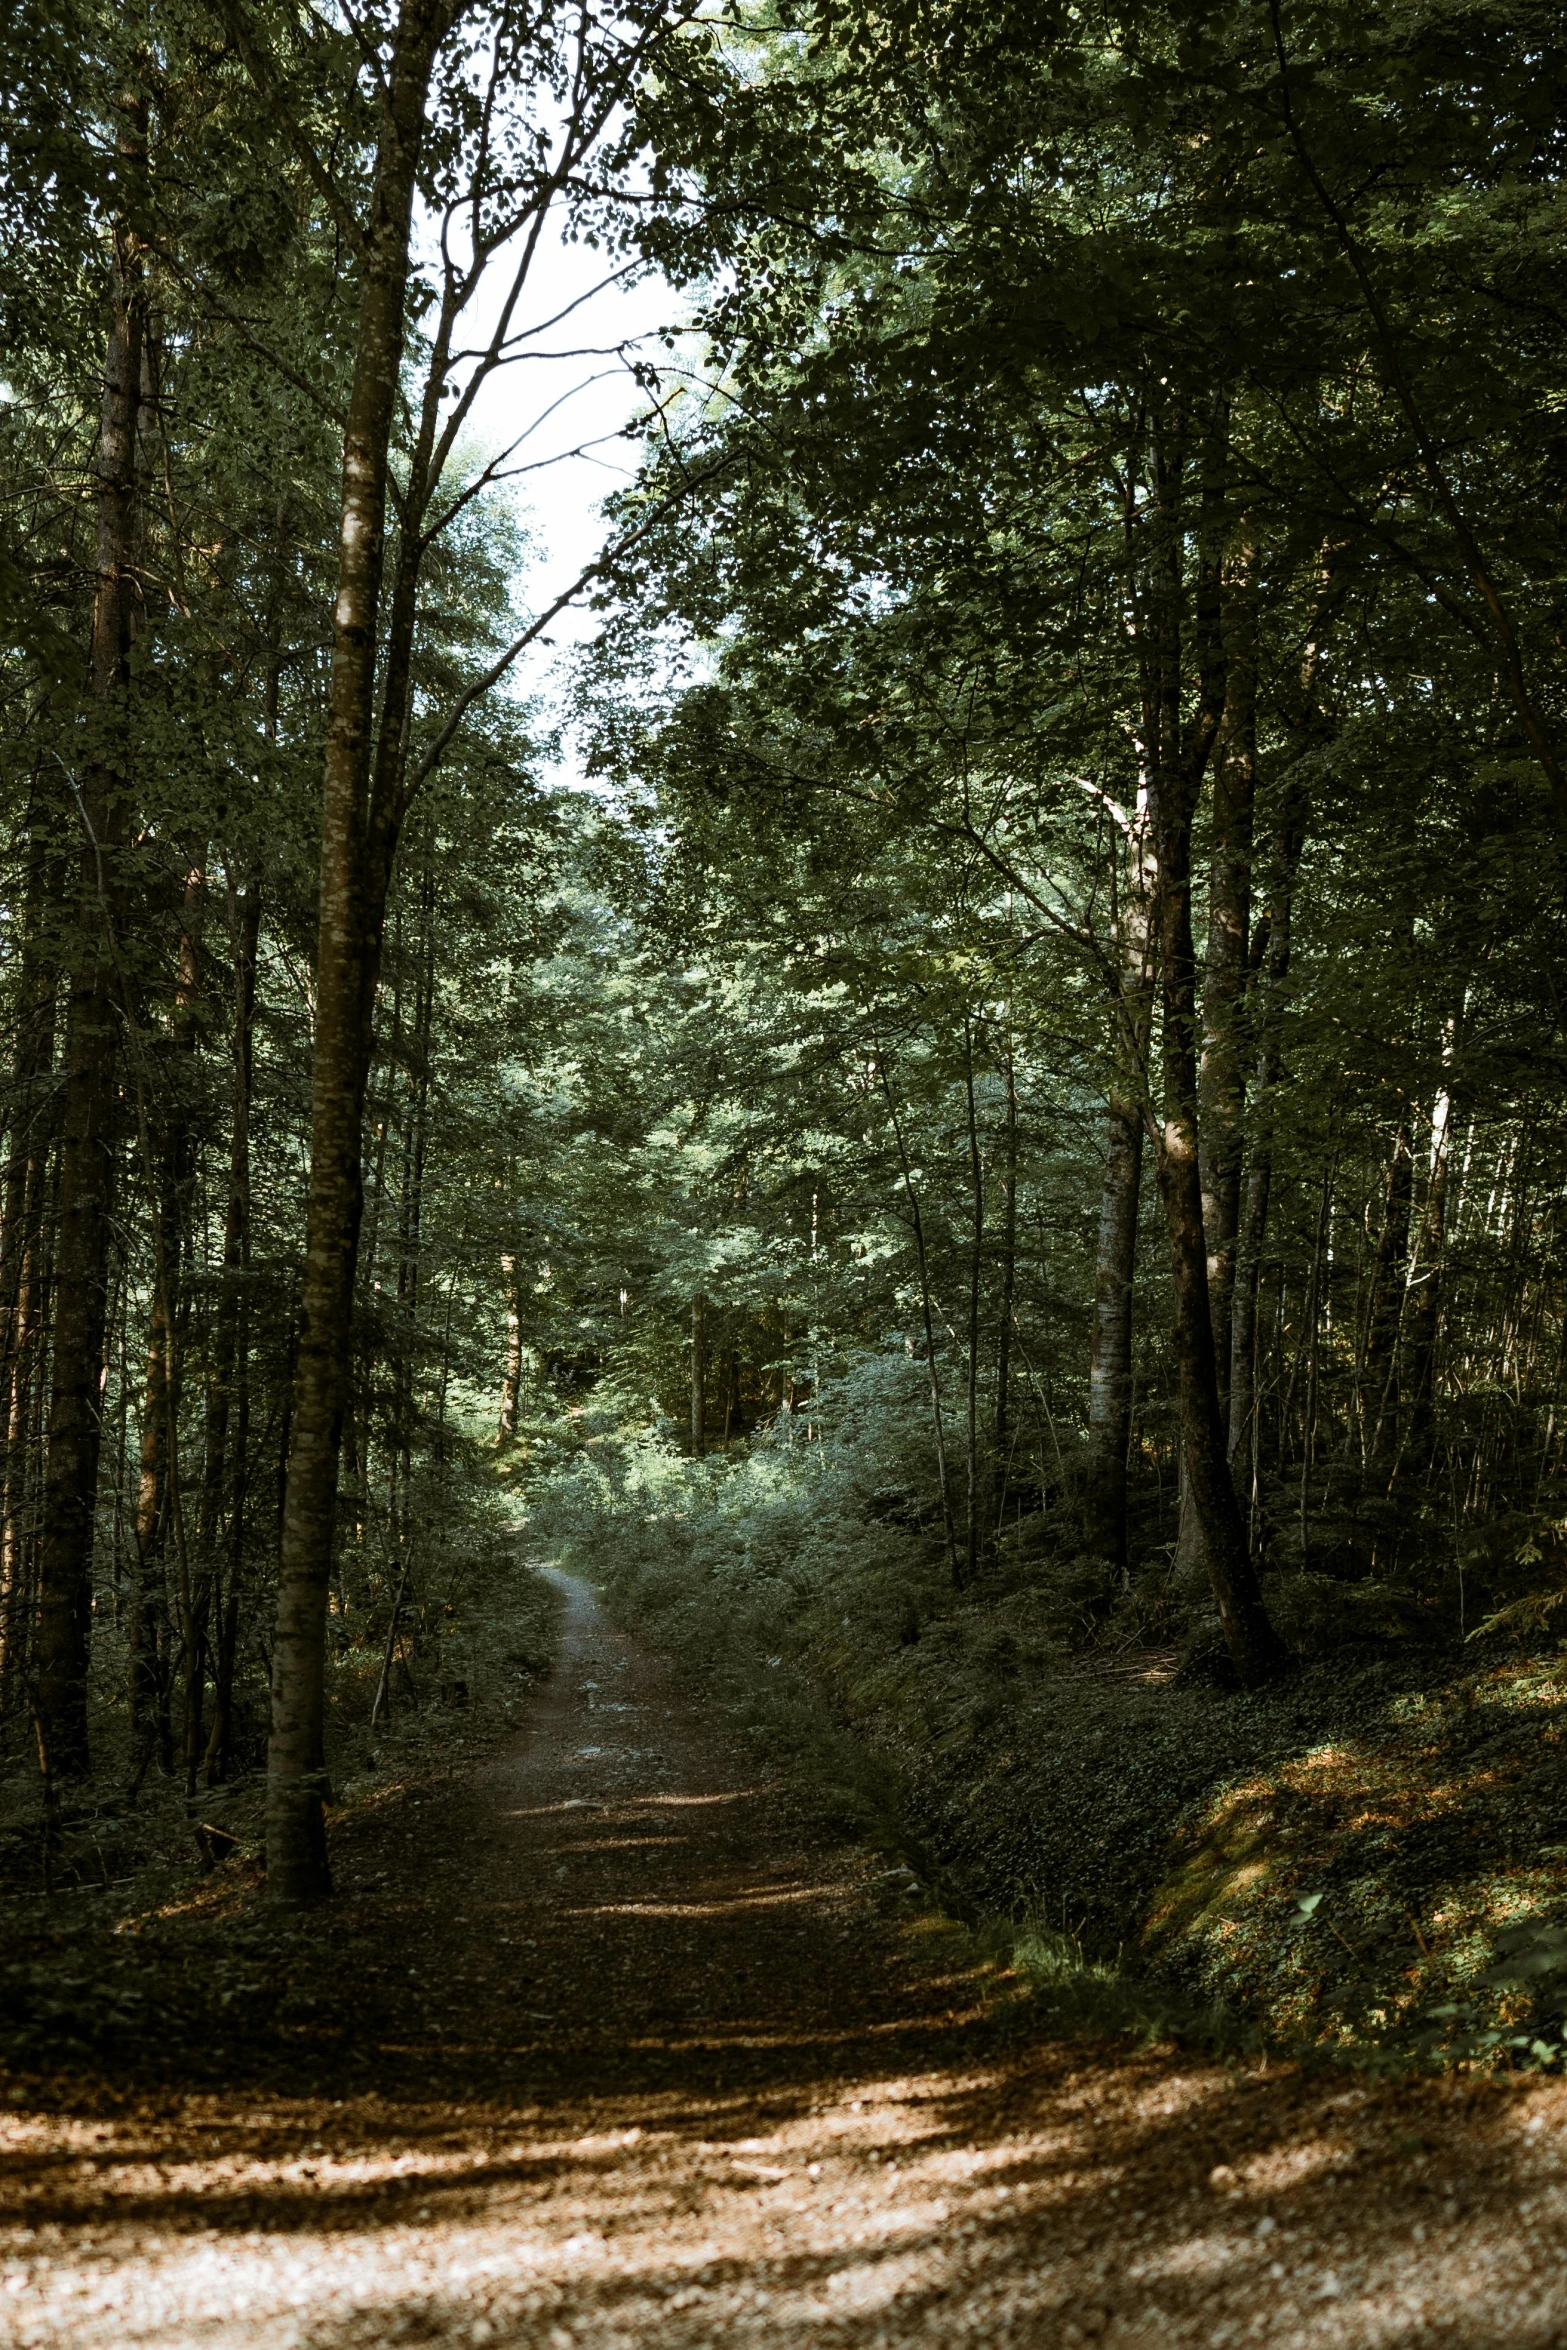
<point>135,1916</point>
<point>1368,1858</point>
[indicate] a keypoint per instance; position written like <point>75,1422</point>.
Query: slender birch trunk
<point>511,1376</point>
<point>1423,1288</point>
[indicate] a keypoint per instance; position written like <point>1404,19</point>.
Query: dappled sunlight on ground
<point>556,2118</point>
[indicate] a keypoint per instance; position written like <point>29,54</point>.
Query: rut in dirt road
<point>643,2060</point>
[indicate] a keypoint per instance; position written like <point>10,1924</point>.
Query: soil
<point>607,2044</point>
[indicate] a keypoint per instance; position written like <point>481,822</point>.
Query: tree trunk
<point>354,878</point>
<point>168,1176</point>
<point>976,1466</point>
<point>1110,1359</point>
<point>933,1374</point>
<point>91,1050</point>
<point>698,1376</point>
<point>1007,1306</point>
<point>410,1208</point>
<point>1253,1645</point>
<point>1424,1285</point>
<point>1182,753</point>
<point>1288,845</point>
<point>146,1630</point>
<point>1110,1346</point>
<point>1313,1356</point>
<point>244,933</point>
<point>1379,1374</point>
<point>220,1738</point>
<point>1221,1077</point>
<point>243,901</point>
<point>22,1234</point>
<point>228,1391</point>
<point>511,1376</point>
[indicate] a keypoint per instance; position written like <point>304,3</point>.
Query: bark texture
<point>1252,1231</point>
<point>1379,1377</point>
<point>1222,1075</point>
<point>91,1047</point>
<point>1110,1355</point>
<point>23,1245</point>
<point>357,846</point>
<point>1008,1304</point>
<point>974,1465</point>
<point>1269,956</point>
<point>511,1376</point>
<point>1183,751</point>
<point>1423,1284</point>
<point>1115,1261</point>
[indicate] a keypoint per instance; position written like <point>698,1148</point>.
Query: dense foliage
<point>1035,1068</point>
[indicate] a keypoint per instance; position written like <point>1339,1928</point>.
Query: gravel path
<point>633,2061</point>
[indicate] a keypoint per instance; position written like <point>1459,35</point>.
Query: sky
<point>581,394</point>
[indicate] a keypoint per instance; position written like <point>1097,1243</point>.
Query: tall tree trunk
<point>1275,937</point>
<point>244,911</point>
<point>169,1177</point>
<point>1253,1645</point>
<point>21,1231</point>
<point>1110,1358</point>
<point>1007,1306</point>
<point>1115,1261</point>
<point>698,1375</point>
<point>975,1463</point>
<point>242,898</point>
<point>932,1369</point>
<point>220,1741</point>
<point>1256,1199</point>
<point>511,1376</point>
<point>410,1209</point>
<point>355,873</point>
<point>147,1643</point>
<point>1221,1077</point>
<point>1183,751</point>
<point>1424,1284</point>
<point>1313,1356</point>
<point>1379,1374</point>
<point>91,1050</point>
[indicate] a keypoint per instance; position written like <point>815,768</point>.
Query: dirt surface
<point>617,2051</point>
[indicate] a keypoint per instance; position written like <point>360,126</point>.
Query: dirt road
<point>622,2055</point>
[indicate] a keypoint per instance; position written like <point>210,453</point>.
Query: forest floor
<point>605,2044</point>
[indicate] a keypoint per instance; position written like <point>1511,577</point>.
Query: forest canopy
<point>997,1119</point>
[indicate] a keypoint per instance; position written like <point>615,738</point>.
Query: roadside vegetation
<point>971,1117</point>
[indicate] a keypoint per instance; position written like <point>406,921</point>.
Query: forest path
<point>655,2066</point>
